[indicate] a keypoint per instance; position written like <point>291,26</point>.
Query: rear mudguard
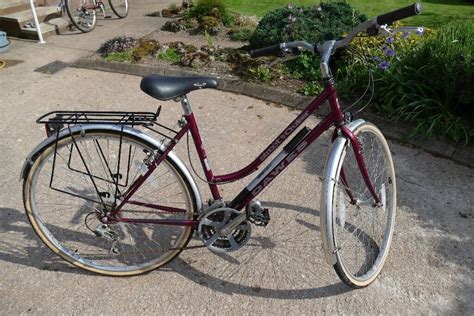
<point>126,131</point>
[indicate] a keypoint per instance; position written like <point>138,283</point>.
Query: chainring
<point>210,226</point>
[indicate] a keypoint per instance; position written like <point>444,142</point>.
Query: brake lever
<point>409,29</point>
<point>385,30</point>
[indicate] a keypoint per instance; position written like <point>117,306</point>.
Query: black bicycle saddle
<point>166,88</point>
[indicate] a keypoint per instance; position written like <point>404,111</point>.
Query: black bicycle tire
<point>116,11</point>
<point>73,20</point>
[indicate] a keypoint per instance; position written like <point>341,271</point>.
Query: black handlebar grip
<point>389,18</point>
<point>266,51</point>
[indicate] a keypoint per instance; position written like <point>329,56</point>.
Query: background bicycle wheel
<point>83,20</point>
<point>119,7</point>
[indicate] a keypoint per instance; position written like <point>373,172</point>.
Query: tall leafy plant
<point>427,81</point>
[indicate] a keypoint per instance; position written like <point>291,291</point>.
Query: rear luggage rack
<point>56,120</point>
<point>99,117</point>
<point>117,166</point>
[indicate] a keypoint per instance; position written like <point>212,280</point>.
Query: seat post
<point>186,106</point>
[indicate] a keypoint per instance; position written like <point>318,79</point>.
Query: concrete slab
<point>50,27</point>
<point>26,15</point>
<point>6,3</point>
<point>10,6</point>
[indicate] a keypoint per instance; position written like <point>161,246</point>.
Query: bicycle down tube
<point>291,151</point>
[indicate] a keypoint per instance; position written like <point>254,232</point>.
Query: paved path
<point>282,270</point>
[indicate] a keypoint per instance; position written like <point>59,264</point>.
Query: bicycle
<point>108,198</point>
<point>83,15</point>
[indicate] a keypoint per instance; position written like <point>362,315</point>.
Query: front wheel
<point>82,14</point>
<point>358,231</point>
<point>120,7</point>
<point>74,182</point>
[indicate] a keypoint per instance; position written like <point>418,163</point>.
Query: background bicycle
<point>83,13</point>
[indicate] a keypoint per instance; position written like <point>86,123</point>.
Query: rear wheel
<point>361,231</point>
<point>120,7</point>
<point>65,209</point>
<point>82,14</point>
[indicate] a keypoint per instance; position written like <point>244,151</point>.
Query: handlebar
<point>278,48</point>
<point>406,12</point>
<point>266,51</point>
<point>370,26</point>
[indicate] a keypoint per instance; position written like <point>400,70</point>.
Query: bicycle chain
<point>149,212</point>
<point>144,251</point>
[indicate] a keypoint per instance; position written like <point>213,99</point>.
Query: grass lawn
<point>435,12</point>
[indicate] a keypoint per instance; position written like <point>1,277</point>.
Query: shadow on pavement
<point>245,267</point>
<point>21,245</point>
<point>434,216</point>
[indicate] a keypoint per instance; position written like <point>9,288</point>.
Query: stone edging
<point>460,154</point>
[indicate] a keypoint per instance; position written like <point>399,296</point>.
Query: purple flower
<point>388,51</point>
<point>405,35</point>
<point>384,65</point>
<point>390,40</point>
<point>376,59</point>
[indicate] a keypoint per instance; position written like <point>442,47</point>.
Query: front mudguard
<point>329,183</point>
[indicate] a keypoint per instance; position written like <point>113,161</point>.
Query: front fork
<point>361,164</point>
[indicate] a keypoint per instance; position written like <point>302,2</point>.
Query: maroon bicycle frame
<point>291,151</point>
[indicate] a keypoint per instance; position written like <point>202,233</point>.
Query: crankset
<point>215,233</point>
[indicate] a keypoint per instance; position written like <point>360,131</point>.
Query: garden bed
<point>208,60</point>
<point>402,79</point>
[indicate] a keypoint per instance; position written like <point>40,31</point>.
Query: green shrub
<point>208,38</point>
<point>260,73</point>
<point>367,53</point>
<point>211,8</point>
<point>442,70</point>
<point>119,56</point>
<point>312,24</point>
<point>312,88</point>
<point>428,84</point>
<point>145,48</point>
<point>240,34</point>
<point>305,67</point>
<point>209,22</point>
<point>117,45</point>
<point>170,55</point>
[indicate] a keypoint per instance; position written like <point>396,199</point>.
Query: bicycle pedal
<point>259,216</point>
